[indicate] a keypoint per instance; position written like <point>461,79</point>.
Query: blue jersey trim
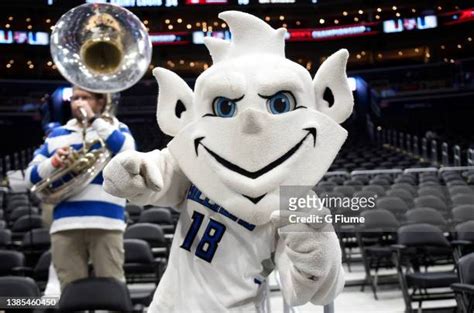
<point>98,180</point>
<point>43,150</point>
<point>34,176</point>
<point>115,141</point>
<point>88,208</point>
<point>59,131</point>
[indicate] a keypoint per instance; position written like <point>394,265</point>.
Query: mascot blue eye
<point>281,102</point>
<point>224,107</point>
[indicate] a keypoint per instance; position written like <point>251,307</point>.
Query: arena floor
<point>351,300</point>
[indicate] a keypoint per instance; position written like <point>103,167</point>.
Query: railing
<point>409,146</point>
<point>456,169</point>
<point>434,152</point>
<point>337,173</point>
<point>396,172</point>
<point>445,154</point>
<point>457,155</point>
<point>15,161</point>
<point>370,173</point>
<point>425,149</point>
<point>421,170</point>
<point>470,157</point>
<point>401,141</point>
<point>416,148</point>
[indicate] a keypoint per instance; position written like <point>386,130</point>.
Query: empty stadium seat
<point>457,182</point>
<point>431,202</point>
<point>134,211</point>
<point>12,262</point>
<point>35,242</point>
<point>427,216</point>
<point>5,238</point>
<point>379,190</point>
<point>41,269</point>
<point>393,204</point>
<point>459,189</point>
<point>25,224</point>
<point>464,242</point>
<point>95,294</point>
<point>356,184</point>
<point>159,216</point>
<point>21,211</point>
<point>405,186</point>
<point>12,287</point>
<point>403,194</point>
<point>460,199</point>
<point>15,203</point>
<point>365,194</point>
<point>464,289</point>
<point>436,191</point>
<point>462,213</point>
<point>140,266</point>
<point>152,234</point>
<point>375,238</point>
<point>414,250</point>
<point>347,191</point>
<point>326,185</point>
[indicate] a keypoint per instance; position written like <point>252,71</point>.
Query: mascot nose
<point>251,121</point>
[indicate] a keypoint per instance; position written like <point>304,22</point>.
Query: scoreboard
<point>180,3</point>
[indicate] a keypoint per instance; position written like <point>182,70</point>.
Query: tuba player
<point>90,224</point>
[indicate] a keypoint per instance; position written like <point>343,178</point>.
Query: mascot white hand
<point>310,251</point>
<point>131,173</point>
<point>138,177</point>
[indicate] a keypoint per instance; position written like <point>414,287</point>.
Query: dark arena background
<point>410,145</point>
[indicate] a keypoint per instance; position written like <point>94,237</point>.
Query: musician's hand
<point>84,105</point>
<point>132,174</point>
<point>60,157</point>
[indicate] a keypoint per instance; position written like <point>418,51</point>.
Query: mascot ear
<point>175,100</point>
<point>331,81</point>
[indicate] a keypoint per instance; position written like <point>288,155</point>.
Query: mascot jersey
<point>221,259</point>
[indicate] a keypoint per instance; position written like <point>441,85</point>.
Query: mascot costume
<point>254,122</point>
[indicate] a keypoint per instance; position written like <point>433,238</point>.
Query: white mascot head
<point>256,120</point>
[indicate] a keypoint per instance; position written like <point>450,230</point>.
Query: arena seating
<point>409,193</point>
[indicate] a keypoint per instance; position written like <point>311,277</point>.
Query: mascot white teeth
<point>256,121</point>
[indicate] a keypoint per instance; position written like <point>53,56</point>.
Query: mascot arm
<point>151,178</point>
<point>309,264</point>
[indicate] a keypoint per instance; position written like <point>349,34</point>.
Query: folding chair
<point>375,238</point>
<point>13,286</point>
<point>464,290</point>
<point>95,294</point>
<point>414,250</point>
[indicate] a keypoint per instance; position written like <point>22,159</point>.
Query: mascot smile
<point>255,121</point>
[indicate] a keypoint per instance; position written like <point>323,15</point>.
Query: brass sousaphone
<point>102,48</point>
